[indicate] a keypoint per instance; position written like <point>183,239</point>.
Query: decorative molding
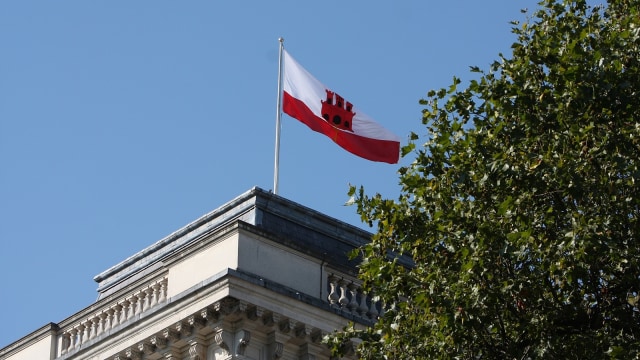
<point>133,354</point>
<point>110,315</point>
<point>184,329</point>
<point>190,337</point>
<point>196,351</point>
<point>278,349</point>
<point>196,322</point>
<point>172,354</point>
<point>242,341</point>
<point>267,318</point>
<point>209,316</point>
<point>158,341</point>
<point>146,347</point>
<point>171,335</point>
<point>221,339</point>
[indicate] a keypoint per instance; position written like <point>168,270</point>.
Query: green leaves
<point>520,210</point>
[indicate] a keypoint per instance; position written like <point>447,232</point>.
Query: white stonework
<point>258,278</point>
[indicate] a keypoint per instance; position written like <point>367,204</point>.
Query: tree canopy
<point>521,211</point>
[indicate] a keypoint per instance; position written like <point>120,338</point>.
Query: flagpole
<point>278,116</point>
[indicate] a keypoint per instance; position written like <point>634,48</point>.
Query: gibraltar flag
<point>326,112</point>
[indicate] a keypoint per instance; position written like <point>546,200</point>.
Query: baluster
<point>108,320</point>
<point>373,311</point>
<point>79,332</point>
<point>163,291</point>
<point>132,306</point>
<point>343,294</point>
<point>140,302</point>
<point>363,308</point>
<point>333,295</point>
<point>147,299</point>
<point>122,312</point>
<point>93,328</point>
<point>85,333</point>
<point>73,339</point>
<point>154,295</point>
<point>126,311</point>
<point>353,304</point>
<point>101,319</point>
<point>66,343</point>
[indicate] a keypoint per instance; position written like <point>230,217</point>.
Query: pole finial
<point>281,39</point>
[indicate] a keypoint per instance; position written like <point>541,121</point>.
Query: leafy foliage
<point>521,210</point>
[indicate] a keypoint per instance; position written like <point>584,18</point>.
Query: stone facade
<point>259,278</point>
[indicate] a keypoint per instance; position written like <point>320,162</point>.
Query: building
<point>261,277</point>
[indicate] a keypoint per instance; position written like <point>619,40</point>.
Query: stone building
<point>261,278</point>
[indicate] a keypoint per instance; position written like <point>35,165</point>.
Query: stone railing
<point>346,294</point>
<point>110,315</point>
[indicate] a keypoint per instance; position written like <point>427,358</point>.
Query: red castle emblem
<point>336,112</point>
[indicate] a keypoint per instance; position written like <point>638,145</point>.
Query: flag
<point>323,110</point>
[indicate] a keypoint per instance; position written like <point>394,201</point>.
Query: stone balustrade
<point>346,294</point>
<point>111,315</point>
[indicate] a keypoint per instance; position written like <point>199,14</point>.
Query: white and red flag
<point>321,109</point>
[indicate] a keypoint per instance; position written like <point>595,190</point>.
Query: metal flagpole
<point>278,116</point>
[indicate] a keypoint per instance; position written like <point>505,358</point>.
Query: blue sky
<point>121,122</point>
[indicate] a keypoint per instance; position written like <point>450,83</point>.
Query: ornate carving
<point>209,315</point>
<point>147,348</point>
<point>171,334</point>
<point>196,322</point>
<point>159,341</point>
<point>184,329</point>
<point>299,332</point>
<point>227,306</point>
<point>133,354</point>
<point>172,354</point>
<point>267,318</point>
<point>285,325</point>
<point>179,341</point>
<point>278,349</point>
<point>249,310</point>
<point>196,351</point>
<point>220,340</point>
<point>242,341</point>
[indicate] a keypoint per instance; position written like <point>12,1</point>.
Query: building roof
<point>284,221</point>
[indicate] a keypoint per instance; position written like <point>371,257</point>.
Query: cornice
<point>289,223</point>
<point>48,330</point>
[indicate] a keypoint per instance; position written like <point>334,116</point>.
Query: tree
<point>521,211</point>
